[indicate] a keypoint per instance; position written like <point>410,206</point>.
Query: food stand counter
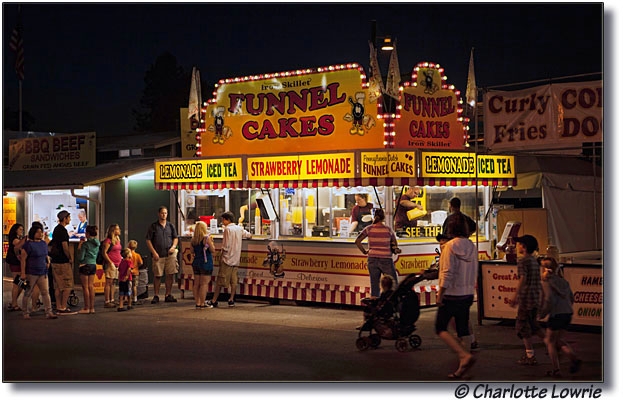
<point>320,270</point>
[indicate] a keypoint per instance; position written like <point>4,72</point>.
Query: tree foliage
<point>11,120</point>
<point>166,91</point>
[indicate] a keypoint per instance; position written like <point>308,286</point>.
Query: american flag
<point>17,45</point>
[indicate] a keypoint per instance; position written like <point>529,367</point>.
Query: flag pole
<point>20,104</point>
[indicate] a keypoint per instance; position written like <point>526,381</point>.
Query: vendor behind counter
<point>361,213</point>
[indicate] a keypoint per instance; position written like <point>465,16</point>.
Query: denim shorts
<point>87,270</point>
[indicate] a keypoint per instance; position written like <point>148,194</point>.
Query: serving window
<point>325,211</point>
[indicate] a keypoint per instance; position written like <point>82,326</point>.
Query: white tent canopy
<point>572,193</point>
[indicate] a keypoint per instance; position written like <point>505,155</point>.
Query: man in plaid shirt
<point>528,296</point>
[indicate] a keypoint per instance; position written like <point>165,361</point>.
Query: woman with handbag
<point>203,265</point>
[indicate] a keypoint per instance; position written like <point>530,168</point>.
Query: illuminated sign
<point>187,135</point>
<point>52,152</point>
<point>9,213</point>
<point>303,167</point>
<point>324,109</point>
<point>430,113</point>
<point>465,165</point>
<point>198,170</point>
<point>387,164</point>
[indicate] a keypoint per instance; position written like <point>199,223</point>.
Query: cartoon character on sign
<point>274,260</point>
<point>430,87</point>
<point>358,117</point>
<point>221,131</point>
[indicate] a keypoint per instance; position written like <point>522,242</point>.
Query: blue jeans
<point>376,266</point>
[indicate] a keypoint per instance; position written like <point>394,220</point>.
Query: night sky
<point>85,63</point>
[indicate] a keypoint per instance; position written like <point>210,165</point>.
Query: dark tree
<point>11,120</point>
<point>166,91</point>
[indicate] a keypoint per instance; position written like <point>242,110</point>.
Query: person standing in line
<point>162,243</point>
<point>401,220</point>
<point>125,280</point>
<point>34,264</point>
<point>527,297</point>
<point>361,214</point>
<point>35,297</point>
<point>62,263</point>
<point>455,218</point>
<point>230,258</point>
<point>458,270</point>
<point>112,257</point>
<point>203,264</point>
<point>382,244</point>
<point>16,238</point>
<point>557,302</point>
<point>87,257</point>
<point>137,264</point>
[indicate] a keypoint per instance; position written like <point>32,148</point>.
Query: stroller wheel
<point>363,343</point>
<point>415,341</point>
<point>73,299</point>
<point>402,345</point>
<point>375,340</point>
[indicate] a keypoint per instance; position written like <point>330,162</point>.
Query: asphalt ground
<point>271,347</point>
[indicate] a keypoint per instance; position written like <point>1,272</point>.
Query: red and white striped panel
<point>335,294</point>
<point>461,182</point>
<point>199,185</point>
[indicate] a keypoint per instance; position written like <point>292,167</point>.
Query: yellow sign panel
<point>430,114</point>
<point>52,152</point>
<point>325,109</point>
<point>9,213</point>
<point>199,170</point>
<point>188,136</point>
<point>465,165</point>
<point>387,164</point>
<point>301,167</point>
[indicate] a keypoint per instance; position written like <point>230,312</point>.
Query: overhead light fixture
<point>387,44</point>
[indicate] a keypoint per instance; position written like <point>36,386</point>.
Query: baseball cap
<point>62,215</point>
<point>529,241</point>
<point>442,237</point>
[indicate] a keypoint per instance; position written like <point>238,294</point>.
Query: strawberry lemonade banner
<point>544,117</point>
<point>323,109</point>
<point>301,167</point>
<point>430,112</point>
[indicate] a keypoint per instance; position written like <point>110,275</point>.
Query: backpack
<point>100,254</point>
<point>53,250</point>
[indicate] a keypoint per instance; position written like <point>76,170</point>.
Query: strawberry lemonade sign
<point>430,112</point>
<point>323,109</point>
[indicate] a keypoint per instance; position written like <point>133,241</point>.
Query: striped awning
<point>166,186</point>
<point>463,182</point>
<point>342,182</point>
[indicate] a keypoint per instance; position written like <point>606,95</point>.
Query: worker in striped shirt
<point>382,244</point>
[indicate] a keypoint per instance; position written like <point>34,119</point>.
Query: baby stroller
<point>393,315</point>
